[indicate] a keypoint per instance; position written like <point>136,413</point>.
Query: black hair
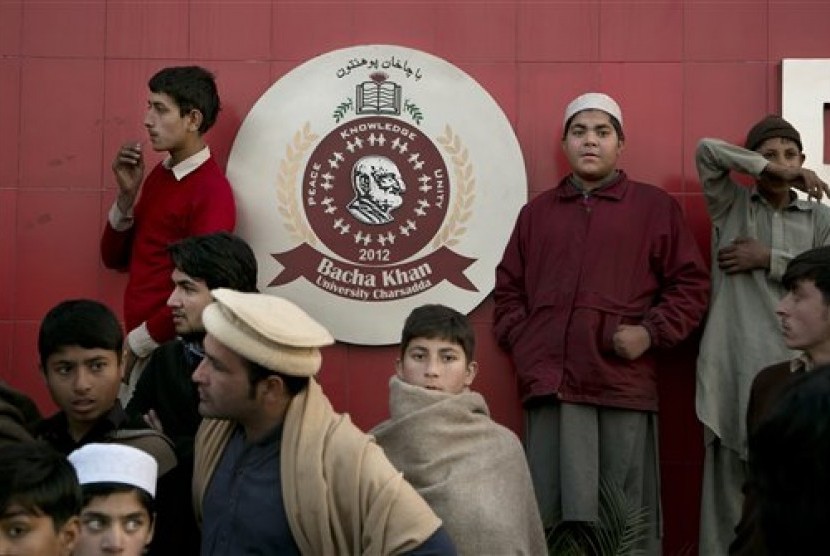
<point>79,322</point>
<point>789,458</point>
<point>615,123</point>
<point>814,265</point>
<point>222,260</point>
<point>191,88</point>
<point>95,490</point>
<point>442,322</point>
<point>257,373</point>
<point>39,480</point>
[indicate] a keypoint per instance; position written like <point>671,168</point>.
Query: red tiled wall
<point>72,77</point>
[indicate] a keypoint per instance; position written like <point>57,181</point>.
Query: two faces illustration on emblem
<point>378,188</point>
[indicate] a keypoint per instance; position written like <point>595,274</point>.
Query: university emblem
<point>372,180</point>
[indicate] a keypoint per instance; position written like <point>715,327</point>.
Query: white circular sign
<point>372,180</point>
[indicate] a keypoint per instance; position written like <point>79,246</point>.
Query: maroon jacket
<point>575,268</point>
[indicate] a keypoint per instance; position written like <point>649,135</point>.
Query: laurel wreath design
<point>465,183</point>
<point>414,111</point>
<point>302,140</point>
<point>342,109</point>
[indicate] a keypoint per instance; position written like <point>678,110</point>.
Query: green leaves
<point>622,525</point>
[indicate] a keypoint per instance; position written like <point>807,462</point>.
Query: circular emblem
<point>372,180</point>
<point>377,190</point>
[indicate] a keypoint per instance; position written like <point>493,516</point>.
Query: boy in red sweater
<point>185,195</point>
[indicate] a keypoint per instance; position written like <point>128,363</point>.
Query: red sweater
<point>575,268</point>
<point>167,211</point>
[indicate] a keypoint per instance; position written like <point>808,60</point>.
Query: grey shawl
<point>470,470</point>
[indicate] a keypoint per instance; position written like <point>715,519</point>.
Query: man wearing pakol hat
<point>118,484</point>
<point>756,231</point>
<point>277,470</point>
<point>599,273</point>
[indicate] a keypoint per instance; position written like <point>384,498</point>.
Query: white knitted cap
<point>115,463</point>
<point>593,101</point>
<point>268,330</point>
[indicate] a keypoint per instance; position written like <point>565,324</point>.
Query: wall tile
<point>112,283</point>
<point>148,29</point>
<point>371,369</point>
<point>247,21</point>
<point>558,31</point>
<point>496,380</point>
<point>544,92</point>
<point>774,87</point>
<point>60,138</point>
<point>11,21</point>
<point>25,370</point>
<point>64,29</point>
<point>279,69</point>
<point>697,215</point>
<point>10,116</point>
<point>57,249</point>
<point>334,376</point>
<point>6,340</point>
<point>709,112</point>
<point>500,80</point>
<point>476,31</point>
<point>240,86</point>
<point>410,24</point>
<point>652,152</point>
<point>709,31</point>
<point>680,484</point>
<point>8,252</point>
<point>798,29</point>
<point>681,436</point>
<point>303,30</point>
<point>636,31</point>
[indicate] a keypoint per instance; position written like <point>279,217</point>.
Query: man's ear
<point>470,373</point>
<point>399,368</point>
<point>195,118</point>
<point>68,535</point>
<point>272,386</point>
<point>803,157</point>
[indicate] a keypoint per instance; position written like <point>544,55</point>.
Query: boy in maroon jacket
<point>599,272</point>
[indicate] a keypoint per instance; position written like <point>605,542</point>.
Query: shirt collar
<point>187,165</point>
<point>615,188</point>
<point>801,363</point>
<point>795,202</point>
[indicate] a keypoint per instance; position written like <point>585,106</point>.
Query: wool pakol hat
<point>593,101</point>
<point>115,463</point>
<point>268,330</point>
<point>769,127</point>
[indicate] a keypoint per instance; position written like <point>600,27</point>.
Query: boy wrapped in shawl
<point>470,470</point>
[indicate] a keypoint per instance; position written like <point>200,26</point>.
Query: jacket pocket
<point>534,340</point>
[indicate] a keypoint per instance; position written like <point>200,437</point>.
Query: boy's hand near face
<point>128,168</point>
<point>800,178</point>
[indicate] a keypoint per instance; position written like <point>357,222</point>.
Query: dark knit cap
<point>771,126</point>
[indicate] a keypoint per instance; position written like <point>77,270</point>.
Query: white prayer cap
<point>115,463</point>
<point>268,330</point>
<point>593,101</point>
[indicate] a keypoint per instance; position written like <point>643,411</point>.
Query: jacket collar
<point>613,190</point>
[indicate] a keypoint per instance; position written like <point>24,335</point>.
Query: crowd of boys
<point>224,443</point>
